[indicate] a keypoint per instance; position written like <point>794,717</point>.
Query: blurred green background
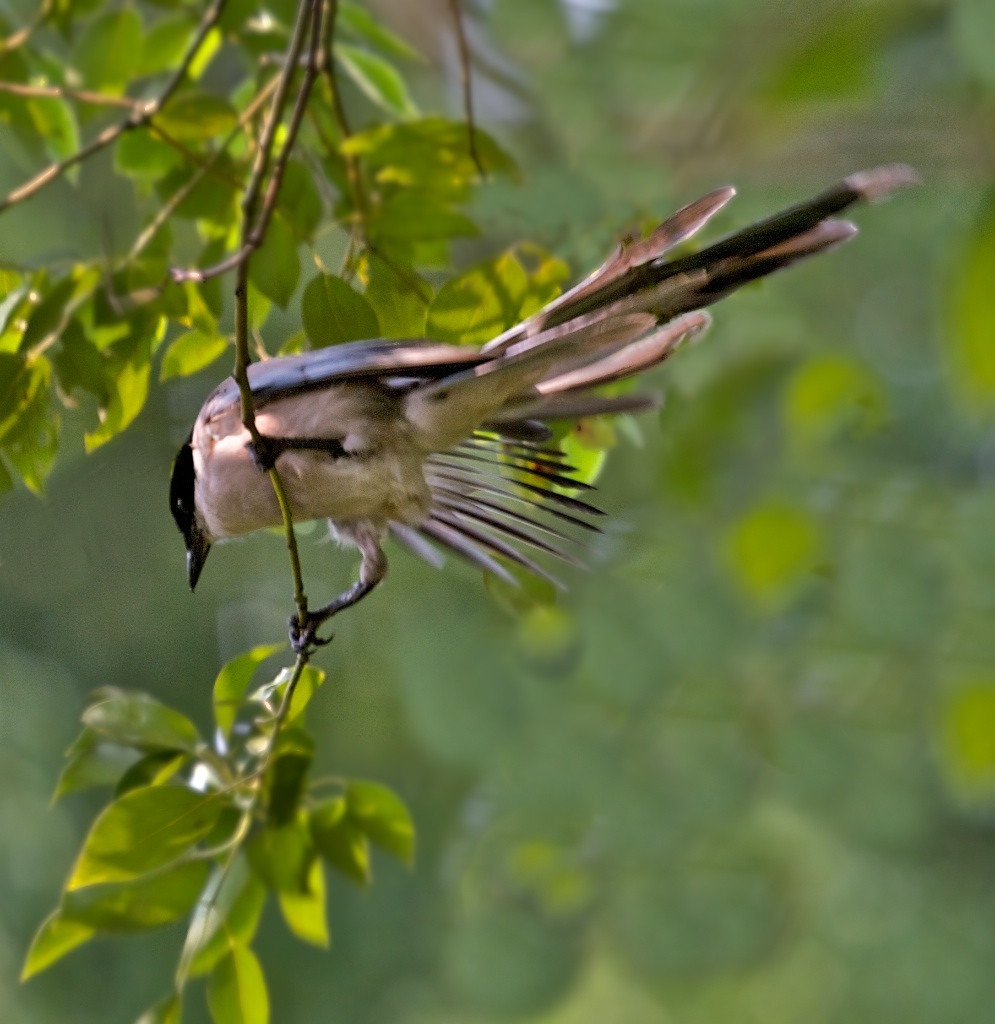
<point>745,770</point>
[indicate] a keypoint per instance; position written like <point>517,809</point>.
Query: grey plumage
<point>446,445</point>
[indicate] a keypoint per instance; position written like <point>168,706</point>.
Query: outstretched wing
<point>415,359</point>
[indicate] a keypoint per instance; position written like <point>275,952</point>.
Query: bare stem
<point>465,78</point>
<point>22,35</point>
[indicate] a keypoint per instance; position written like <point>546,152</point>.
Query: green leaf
<point>165,1012</point>
<point>340,840</point>
<point>291,762</point>
<point>230,918</point>
<point>307,686</point>
<point>54,939</point>
<point>197,117</point>
<point>399,299</point>
<point>382,815</point>
<point>379,80</point>
<point>480,303</point>
<point>129,386</point>
<point>333,312</point>
<point>236,990</point>
<point>149,902</point>
<point>55,121</point>
<point>32,443</point>
<point>143,154</point>
<point>411,217</point>
<point>772,551</point>
<point>94,762</point>
<point>829,394</point>
<point>275,266</point>
<point>108,52</point>
<point>300,202</point>
<point>138,720</point>
<point>967,740</point>
<point>143,830</point>
<point>154,769</point>
<point>190,353</point>
<point>431,153</point>
<point>20,382</point>
<point>281,856</point>
<point>359,22</point>
<point>166,43</point>
<point>232,682</point>
<point>971,352</point>
<point>79,364</point>
<point>304,912</point>
<point>211,198</point>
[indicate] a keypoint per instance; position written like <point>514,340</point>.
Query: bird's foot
<point>304,638</point>
<point>265,451</point>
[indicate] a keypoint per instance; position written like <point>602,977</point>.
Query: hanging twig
<point>464,59</point>
<point>139,118</point>
<point>22,35</point>
<point>59,92</point>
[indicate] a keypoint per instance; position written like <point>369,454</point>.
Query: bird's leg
<point>267,450</point>
<point>372,570</point>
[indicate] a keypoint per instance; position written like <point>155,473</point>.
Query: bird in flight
<point>447,446</point>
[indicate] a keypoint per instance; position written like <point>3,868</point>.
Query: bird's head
<point>183,505</point>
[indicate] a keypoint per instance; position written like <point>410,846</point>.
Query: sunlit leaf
<point>382,815</point>
<point>829,394</point>
<point>480,303</point>
<point>54,939</point>
<point>197,116</point>
<point>275,267</point>
<point>231,919</point>
<point>56,124</point>
<point>972,354</point>
<point>236,989</point>
<point>135,719</point>
<point>109,50</point>
<point>143,830</point>
<point>232,682</point>
<point>307,686</point>
<point>190,353</point>
<point>154,769</point>
<point>304,912</point>
<point>340,840</point>
<point>334,312</point>
<point>967,740</point>
<point>129,389</point>
<point>165,1012</point>
<point>148,902</point>
<point>379,80</point>
<point>165,43</point>
<point>772,551</point>
<point>399,297</point>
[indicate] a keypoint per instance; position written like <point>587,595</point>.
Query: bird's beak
<point>198,547</point>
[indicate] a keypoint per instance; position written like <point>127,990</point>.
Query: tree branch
<point>140,117</point>
<point>464,56</point>
<point>22,35</point>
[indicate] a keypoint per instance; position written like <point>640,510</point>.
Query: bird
<point>446,447</point>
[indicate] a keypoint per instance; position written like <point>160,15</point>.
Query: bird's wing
<point>492,496</point>
<point>418,359</point>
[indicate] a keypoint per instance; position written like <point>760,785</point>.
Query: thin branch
<point>58,92</point>
<point>254,230</point>
<point>310,12</point>
<point>22,35</point>
<point>139,117</point>
<point>464,61</point>
<point>166,211</point>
